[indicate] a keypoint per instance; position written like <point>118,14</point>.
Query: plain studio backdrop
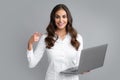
<point>98,21</point>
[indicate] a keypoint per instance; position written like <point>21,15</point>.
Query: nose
<point>60,20</point>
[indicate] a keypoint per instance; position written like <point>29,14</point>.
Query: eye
<point>64,16</point>
<point>57,16</point>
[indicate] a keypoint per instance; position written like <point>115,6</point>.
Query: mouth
<point>61,24</point>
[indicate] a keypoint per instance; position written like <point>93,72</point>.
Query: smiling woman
<point>62,44</point>
<point>61,19</point>
<point>61,24</point>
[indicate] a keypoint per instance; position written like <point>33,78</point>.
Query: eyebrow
<point>62,15</point>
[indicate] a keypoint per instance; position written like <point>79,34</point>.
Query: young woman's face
<point>61,19</point>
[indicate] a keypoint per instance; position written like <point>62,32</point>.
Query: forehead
<point>61,12</point>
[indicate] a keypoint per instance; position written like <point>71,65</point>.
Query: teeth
<point>60,24</point>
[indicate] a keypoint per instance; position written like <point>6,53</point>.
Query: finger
<point>84,72</point>
<point>38,34</point>
<point>36,39</point>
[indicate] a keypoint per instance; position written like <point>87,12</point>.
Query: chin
<point>61,28</point>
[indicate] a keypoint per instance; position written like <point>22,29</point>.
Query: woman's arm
<point>80,39</point>
<point>35,56</point>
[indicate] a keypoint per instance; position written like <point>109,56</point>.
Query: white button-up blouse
<point>60,57</point>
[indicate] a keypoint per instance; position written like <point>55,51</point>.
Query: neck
<point>61,32</point>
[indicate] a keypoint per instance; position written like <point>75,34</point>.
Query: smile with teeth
<point>60,24</point>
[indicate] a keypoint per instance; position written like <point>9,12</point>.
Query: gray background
<point>98,21</point>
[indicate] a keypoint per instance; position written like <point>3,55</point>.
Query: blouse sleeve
<point>79,38</point>
<point>35,56</point>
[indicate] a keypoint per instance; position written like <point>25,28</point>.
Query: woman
<point>61,42</point>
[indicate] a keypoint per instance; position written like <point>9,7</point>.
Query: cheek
<point>66,20</point>
<point>56,20</point>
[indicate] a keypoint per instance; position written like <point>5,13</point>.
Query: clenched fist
<point>34,38</point>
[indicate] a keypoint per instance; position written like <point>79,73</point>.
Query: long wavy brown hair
<point>50,39</point>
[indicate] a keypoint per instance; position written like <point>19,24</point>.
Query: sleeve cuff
<point>29,51</point>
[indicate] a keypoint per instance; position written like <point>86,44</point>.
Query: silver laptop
<point>91,58</point>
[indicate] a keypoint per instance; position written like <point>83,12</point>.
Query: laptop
<point>91,58</point>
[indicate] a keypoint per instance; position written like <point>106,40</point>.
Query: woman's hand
<point>34,38</point>
<point>85,72</point>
